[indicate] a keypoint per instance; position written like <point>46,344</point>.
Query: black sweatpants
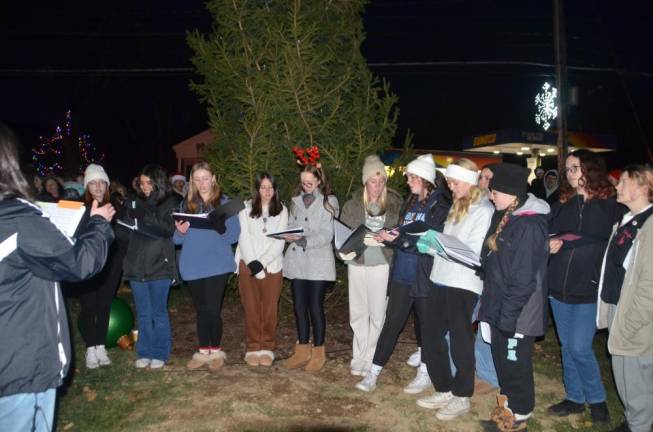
<point>308,304</point>
<point>448,310</point>
<point>208,294</point>
<point>513,360</point>
<point>95,297</point>
<point>399,305</point>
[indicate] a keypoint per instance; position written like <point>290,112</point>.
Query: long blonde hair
<point>193,200</point>
<point>382,200</point>
<point>460,207</point>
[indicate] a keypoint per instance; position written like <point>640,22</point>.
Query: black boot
<point>600,413</point>
<point>565,408</point>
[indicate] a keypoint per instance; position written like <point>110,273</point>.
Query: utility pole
<point>559,38</point>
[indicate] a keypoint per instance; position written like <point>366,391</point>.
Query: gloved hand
<point>218,222</point>
<point>428,243</point>
<point>369,241</point>
<point>255,267</point>
<point>347,257</point>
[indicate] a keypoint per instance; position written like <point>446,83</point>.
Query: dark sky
<point>56,57</point>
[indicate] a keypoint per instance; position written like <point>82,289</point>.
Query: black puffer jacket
<point>34,256</point>
<point>151,252</point>
<point>574,272</point>
<point>514,289</point>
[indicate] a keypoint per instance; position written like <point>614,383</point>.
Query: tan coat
<point>631,332</point>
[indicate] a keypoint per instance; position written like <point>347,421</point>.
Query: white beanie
<point>95,172</point>
<point>373,166</point>
<point>176,177</point>
<point>423,167</point>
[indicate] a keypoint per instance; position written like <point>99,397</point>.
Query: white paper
<point>66,219</point>
<point>195,215</point>
<point>486,333</point>
<point>341,233</point>
<point>458,250</point>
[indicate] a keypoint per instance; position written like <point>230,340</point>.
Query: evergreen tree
<point>276,74</point>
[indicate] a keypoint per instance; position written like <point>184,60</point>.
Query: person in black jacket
<point>149,264</point>
<point>34,256</point>
<point>587,208</point>
<point>410,271</point>
<point>513,303</point>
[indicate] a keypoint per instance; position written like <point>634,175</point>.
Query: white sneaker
<point>142,363</point>
<point>421,382</point>
<point>91,358</point>
<point>156,364</point>
<point>457,406</point>
<point>415,358</point>
<point>358,372</point>
<point>368,384</point>
<point>102,356</point>
<point>436,400</point>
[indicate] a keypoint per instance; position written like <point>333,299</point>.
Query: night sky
<point>89,57</point>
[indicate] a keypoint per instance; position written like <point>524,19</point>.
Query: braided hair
<point>492,240</point>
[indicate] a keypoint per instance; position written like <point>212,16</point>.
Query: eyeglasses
<point>572,169</point>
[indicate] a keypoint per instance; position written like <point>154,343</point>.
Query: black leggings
<point>400,304</point>
<point>308,302</point>
<point>208,294</point>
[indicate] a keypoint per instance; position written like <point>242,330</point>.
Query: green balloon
<point>121,321</point>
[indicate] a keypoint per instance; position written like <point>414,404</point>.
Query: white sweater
<point>471,231</point>
<point>255,245</point>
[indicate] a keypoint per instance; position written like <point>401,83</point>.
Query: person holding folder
<point>376,207</point>
<point>207,261</point>
<point>309,262</point>
<point>149,263</point>
<point>259,258</point>
<point>449,304</point>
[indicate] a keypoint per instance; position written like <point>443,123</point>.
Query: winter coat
<point>631,331</point>
<point>514,296</point>
<point>34,255</point>
<point>470,230</point>
<point>574,272</point>
<point>151,252</point>
<point>353,215</point>
<point>205,252</point>
<point>316,260</point>
<point>255,245</point>
<point>436,214</point>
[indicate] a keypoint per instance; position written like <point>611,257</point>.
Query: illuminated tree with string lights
<point>65,152</point>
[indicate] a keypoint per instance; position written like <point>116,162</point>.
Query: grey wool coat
<point>316,261</point>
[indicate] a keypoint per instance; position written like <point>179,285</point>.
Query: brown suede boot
<point>300,357</point>
<point>318,358</point>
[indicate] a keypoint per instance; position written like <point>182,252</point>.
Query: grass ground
<point>239,398</point>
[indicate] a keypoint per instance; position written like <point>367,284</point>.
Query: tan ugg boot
<point>197,361</point>
<point>300,357</point>
<point>217,359</point>
<point>318,358</point>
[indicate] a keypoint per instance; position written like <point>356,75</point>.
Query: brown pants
<point>260,299</point>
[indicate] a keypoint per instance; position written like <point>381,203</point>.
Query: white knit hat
<point>423,167</point>
<point>176,177</point>
<point>95,172</point>
<point>373,166</point>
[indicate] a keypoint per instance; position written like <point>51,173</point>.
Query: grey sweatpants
<point>634,379</point>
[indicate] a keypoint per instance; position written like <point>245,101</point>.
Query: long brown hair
<point>88,198</point>
<point>194,201</point>
<point>275,205</point>
<point>325,186</point>
<point>594,178</point>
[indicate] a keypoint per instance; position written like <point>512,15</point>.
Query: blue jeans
<point>483,356</point>
<point>154,335</point>
<point>28,411</point>
<point>576,326</point>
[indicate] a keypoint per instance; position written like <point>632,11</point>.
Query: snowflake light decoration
<point>546,104</point>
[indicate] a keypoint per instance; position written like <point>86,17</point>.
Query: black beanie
<point>510,179</point>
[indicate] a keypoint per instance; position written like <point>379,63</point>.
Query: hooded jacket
<point>514,296</point>
<point>34,256</point>
<point>574,272</point>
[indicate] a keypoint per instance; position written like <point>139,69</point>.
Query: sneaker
<point>457,406</point>
<point>102,356</point>
<point>599,412</point>
<point>368,384</point>
<point>156,364</point>
<point>142,363</point>
<point>91,358</point>
<point>358,372</point>
<point>436,400</point>
<point>415,358</point>
<point>421,382</point>
<point>565,408</point>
